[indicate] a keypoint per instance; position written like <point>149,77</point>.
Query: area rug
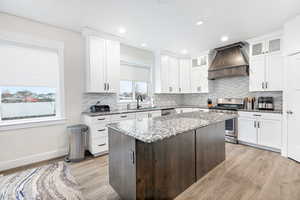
<point>53,182</point>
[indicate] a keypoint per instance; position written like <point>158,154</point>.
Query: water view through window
<point>27,102</point>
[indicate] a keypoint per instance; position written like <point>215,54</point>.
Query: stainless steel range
<point>229,105</point>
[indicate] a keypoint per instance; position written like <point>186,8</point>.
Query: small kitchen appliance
<point>99,108</point>
<point>265,103</point>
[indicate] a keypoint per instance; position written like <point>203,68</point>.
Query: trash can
<point>77,142</point>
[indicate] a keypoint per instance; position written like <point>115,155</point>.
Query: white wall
<point>23,146</point>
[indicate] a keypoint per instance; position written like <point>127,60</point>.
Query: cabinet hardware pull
<point>263,85</point>
<point>256,115</point>
<point>254,124</point>
<point>104,86</point>
<point>266,85</point>
<point>131,155</point>
<point>258,124</point>
<point>101,119</point>
<point>100,130</point>
<point>107,86</point>
<point>123,116</point>
<point>101,145</point>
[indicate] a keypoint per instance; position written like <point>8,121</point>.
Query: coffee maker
<point>265,103</point>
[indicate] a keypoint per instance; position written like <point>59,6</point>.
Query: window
<point>126,90</point>
<point>129,90</point>
<point>134,81</point>
<point>27,102</point>
<point>31,80</point>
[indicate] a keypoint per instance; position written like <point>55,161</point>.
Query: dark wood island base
<point>165,168</point>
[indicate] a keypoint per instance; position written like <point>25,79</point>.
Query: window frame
<point>133,91</point>
<point>56,46</point>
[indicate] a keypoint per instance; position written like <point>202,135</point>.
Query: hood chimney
<point>228,62</point>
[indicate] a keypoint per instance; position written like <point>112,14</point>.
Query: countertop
<point>150,130</point>
<point>114,112</point>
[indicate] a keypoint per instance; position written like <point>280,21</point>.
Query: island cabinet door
<point>166,168</point>
<point>122,168</point>
<point>210,148</point>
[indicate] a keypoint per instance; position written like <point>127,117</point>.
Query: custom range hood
<point>228,62</point>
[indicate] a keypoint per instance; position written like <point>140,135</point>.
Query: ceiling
<point>163,24</point>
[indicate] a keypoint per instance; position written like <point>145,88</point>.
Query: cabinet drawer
<point>116,118</point>
<point>258,115</point>
<point>98,131</point>
<point>98,145</point>
<point>100,119</point>
<point>155,113</point>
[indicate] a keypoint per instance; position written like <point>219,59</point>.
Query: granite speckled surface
<point>150,130</point>
<point>116,111</point>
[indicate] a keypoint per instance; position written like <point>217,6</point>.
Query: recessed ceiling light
<point>198,23</point>
<point>122,30</point>
<point>143,44</point>
<point>224,38</point>
<point>184,51</point>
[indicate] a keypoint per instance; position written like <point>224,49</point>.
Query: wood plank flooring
<point>247,173</point>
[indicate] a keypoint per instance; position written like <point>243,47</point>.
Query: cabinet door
<point>199,81</point>
<point>173,75</point>
<point>164,74</point>
<point>204,79</point>
<point>274,66</point>
<point>257,49</point>
<point>185,75</point>
<point>257,73</point>
<point>113,66</point>
<point>269,133</point>
<point>95,69</point>
<point>247,131</point>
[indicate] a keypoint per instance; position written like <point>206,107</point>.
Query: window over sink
<point>135,80</point>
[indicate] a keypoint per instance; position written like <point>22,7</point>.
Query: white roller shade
<point>135,73</point>
<point>28,66</point>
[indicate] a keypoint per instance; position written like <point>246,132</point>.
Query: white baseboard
<point>10,164</point>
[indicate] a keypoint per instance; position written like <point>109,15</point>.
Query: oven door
<point>230,127</point>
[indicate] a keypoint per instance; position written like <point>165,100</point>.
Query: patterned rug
<point>53,182</point>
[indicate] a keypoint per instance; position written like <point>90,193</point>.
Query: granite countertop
<point>262,111</point>
<point>150,130</point>
<point>114,112</point>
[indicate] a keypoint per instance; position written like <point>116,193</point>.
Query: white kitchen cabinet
<point>247,131</point>
<point>266,63</point>
<point>173,75</point>
<point>199,75</point>
<point>270,133</point>
<point>291,36</point>
<point>185,66</point>
<point>164,73</point>
<point>263,129</point>
<point>102,65</point>
<point>169,74</point>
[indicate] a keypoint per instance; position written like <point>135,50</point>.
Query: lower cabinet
<point>262,129</point>
<point>97,140</point>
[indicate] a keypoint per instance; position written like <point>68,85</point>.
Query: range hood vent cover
<point>228,62</point>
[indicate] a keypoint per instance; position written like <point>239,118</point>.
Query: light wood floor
<point>247,173</point>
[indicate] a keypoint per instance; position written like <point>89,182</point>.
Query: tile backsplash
<point>235,87</point>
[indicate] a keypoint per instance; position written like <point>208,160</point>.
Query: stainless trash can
<point>77,142</point>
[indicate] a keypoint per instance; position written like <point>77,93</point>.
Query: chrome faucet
<point>138,99</point>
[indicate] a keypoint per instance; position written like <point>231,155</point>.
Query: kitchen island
<point>158,158</point>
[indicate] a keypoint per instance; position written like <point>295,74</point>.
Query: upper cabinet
<point>266,63</point>
<point>185,66</point>
<point>102,65</point>
<point>291,36</point>
<point>199,74</point>
<point>169,74</point>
